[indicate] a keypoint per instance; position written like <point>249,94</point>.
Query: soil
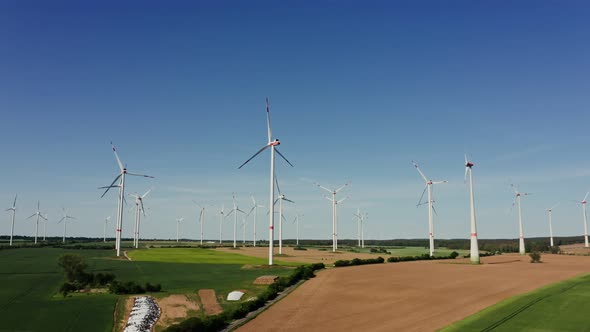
<point>412,296</point>
<point>174,307</point>
<point>575,249</point>
<point>303,256</point>
<point>128,307</point>
<point>209,301</point>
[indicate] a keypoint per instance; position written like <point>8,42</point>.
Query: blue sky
<point>357,89</point>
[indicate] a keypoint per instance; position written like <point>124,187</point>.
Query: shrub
<point>535,257</point>
<point>454,255</point>
<point>299,248</point>
<point>555,250</point>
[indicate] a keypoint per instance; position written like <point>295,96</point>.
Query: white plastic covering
<point>235,296</point>
<point>143,316</point>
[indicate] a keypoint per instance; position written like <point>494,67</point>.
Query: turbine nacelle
<point>274,143</point>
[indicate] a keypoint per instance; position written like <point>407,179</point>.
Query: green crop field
<point>560,307</point>
<point>30,280</point>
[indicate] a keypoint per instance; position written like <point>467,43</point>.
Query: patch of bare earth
<point>301,256</point>
<point>575,249</point>
<point>265,280</point>
<point>128,307</point>
<point>412,296</point>
<point>209,301</point>
<point>174,308</point>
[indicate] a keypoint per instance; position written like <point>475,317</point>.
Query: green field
<point>30,280</point>
<point>559,307</point>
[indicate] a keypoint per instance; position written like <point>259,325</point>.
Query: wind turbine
<point>428,187</point>
<point>65,221</point>
<point>583,202</point>
<point>255,209</point>
<point>201,218</point>
<point>45,226</point>
<point>272,144</point>
<point>221,217</point>
<point>106,221</point>
<point>521,248</point>
<point>474,249</point>
<point>244,231</point>
<point>334,212</point>
<point>138,212</point>
<point>550,213</point>
<point>235,211</point>
<point>39,215</point>
<point>178,221</point>
<point>13,209</point>
<point>360,217</point>
<point>296,221</point>
<point>280,199</point>
<point>121,186</point>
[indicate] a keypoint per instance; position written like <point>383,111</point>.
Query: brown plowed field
<point>413,296</point>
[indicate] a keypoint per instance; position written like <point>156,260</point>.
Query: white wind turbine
<point>106,221</point>
<point>296,221</point>
<point>474,249</point>
<point>221,217</point>
<point>121,186</point>
<point>550,213</point>
<point>255,209</point>
<point>335,203</point>
<point>272,144</point>
<point>178,221</point>
<point>583,202</point>
<point>235,211</point>
<point>521,248</point>
<point>39,215</point>
<point>139,210</point>
<point>45,220</point>
<point>13,209</point>
<point>244,230</point>
<point>280,199</point>
<point>65,221</point>
<point>201,218</point>
<point>360,218</point>
<point>428,188</point>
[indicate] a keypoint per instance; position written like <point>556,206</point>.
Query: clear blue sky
<point>358,90</point>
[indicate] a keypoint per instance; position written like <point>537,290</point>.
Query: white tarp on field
<point>235,296</point>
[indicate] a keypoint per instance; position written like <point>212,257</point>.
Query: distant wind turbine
<point>45,219</point>
<point>201,218</point>
<point>335,203</point>
<point>272,144</point>
<point>474,248</point>
<point>296,221</point>
<point>550,213</point>
<point>255,209</point>
<point>139,210</point>
<point>428,188</point>
<point>64,219</point>
<point>121,186</point>
<point>235,211</point>
<point>221,217</point>
<point>13,209</point>
<point>106,221</point>
<point>280,199</point>
<point>178,221</point>
<point>583,202</point>
<point>521,248</point>
<point>39,215</point>
<point>360,218</point>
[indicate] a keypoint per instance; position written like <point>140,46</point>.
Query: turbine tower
<point>360,217</point>
<point>201,218</point>
<point>139,210</point>
<point>65,221</point>
<point>45,226</point>
<point>521,248</point>
<point>280,199</point>
<point>296,222</point>
<point>334,212</point>
<point>178,221</point>
<point>121,186</point>
<point>106,221</point>
<point>550,213</point>
<point>273,148</point>
<point>474,250</point>
<point>255,209</point>
<point>221,217</point>
<point>235,211</point>
<point>13,209</point>
<point>39,215</point>
<point>428,187</point>
<point>583,202</point>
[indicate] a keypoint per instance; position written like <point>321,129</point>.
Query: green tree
<point>74,266</point>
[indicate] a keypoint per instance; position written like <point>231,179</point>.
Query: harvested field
<point>413,296</point>
<point>302,256</point>
<point>209,301</point>
<point>575,249</point>
<point>174,308</point>
<point>265,280</point>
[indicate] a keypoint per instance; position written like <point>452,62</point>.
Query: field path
<point>209,301</point>
<point>413,296</point>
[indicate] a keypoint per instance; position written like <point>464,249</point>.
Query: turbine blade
<point>422,196</point>
<point>277,184</point>
<point>252,209</point>
<point>62,219</point>
<point>434,210</point>
<point>514,189</point>
<point>346,184</point>
<point>586,196</point>
<point>268,120</point>
<point>326,189</point>
<point>257,153</point>
<point>554,206</point>
<point>342,200</point>
<point>465,176</point>
<point>143,175</point>
<point>34,214</point>
<point>14,204</point>
<point>440,182</point>
<point>111,186</point>
<point>280,154</point>
<point>288,200</point>
<point>146,193</point>
<point>117,156</point>
<point>419,171</point>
